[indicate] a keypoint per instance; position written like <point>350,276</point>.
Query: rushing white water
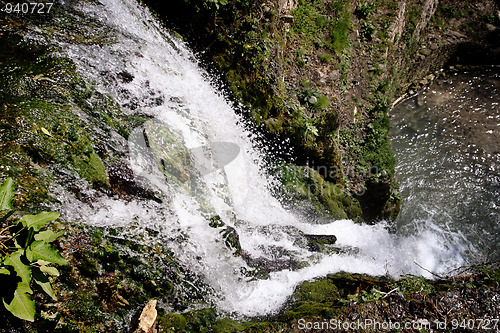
<point>164,81</point>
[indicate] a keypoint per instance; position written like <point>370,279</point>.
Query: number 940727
<point>27,8</point>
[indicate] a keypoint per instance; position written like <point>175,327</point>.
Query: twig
<point>425,269</point>
<point>384,293</point>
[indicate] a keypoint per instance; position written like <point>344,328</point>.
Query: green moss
<point>227,325</point>
<point>50,119</point>
<point>172,322</point>
<point>92,169</point>
<point>325,57</point>
<point>322,103</point>
<point>340,40</point>
<point>200,320</point>
<point>377,146</point>
<point>309,23</point>
<point>309,309</point>
<point>171,154</point>
<point>307,185</point>
<point>313,27</point>
<point>322,291</point>
<point>313,299</point>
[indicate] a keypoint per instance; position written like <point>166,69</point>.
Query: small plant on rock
<point>26,256</point>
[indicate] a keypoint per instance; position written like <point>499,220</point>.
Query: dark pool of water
<point>446,141</point>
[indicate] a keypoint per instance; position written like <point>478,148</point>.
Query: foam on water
<point>169,85</point>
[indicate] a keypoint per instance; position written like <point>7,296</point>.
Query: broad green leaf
<point>43,282</point>
<point>48,236</point>
<point>22,306</point>
<point>22,270</point>
<point>42,250</point>
<point>42,262</point>
<point>49,270</point>
<point>6,194</point>
<point>38,221</point>
<point>5,271</point>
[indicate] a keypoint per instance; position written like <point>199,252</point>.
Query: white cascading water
<point>164,70</point>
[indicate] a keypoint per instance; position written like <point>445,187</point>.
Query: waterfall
<point>196,156</point>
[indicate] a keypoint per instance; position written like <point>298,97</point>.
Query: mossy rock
<point>172,323</point>
<point>110,277</point>
<point>92,168</point>
<point>200,320</point>
<point>322,291</point>
<point>313,299</point>
<point>169,150</point>
<point>227,325</point>
<point>306,185</point>
<point>52,119</point>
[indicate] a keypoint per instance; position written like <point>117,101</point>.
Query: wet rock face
<point>375,197</point>
<point>315,243</point>
<point>232,240</point>
<point>276,259</point>
<point>123,182</point>
<point>125,77</point>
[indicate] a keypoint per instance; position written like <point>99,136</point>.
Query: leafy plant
<point>409,284</point>
<point>365,9</point>
<point>491,276</point>
<point>210,4</point>
<point>364,296</point>
<point>368,31</point>
<point>310,128</point>
<point>26,256</point>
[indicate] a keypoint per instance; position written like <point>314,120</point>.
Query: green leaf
<point>42,250</point>
<point>45,131</point>
<point>48,236</point>
<point>22,270</point>
<point>49,270</point>
<point>5,271</point>
<point>42,262</point>
<point>38,221</point>
<point>43,282</point>
<point>6,194</point>
<point>22,306</point>
<point>16,244</point>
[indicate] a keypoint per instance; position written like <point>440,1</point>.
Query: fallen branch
<point>425,269</point>
<point>384,293</point>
